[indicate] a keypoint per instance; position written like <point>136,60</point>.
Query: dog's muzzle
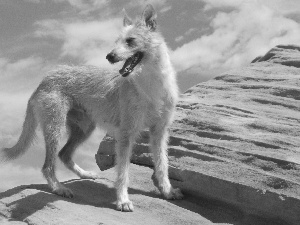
<point>130,63</point>
<point>112,58</point>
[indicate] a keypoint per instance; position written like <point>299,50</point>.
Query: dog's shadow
<point>30,199</point>
<point>86,192</point>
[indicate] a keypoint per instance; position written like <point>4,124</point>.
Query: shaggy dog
<point>142,94</point>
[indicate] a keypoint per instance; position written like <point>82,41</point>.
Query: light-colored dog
<point>81,97</point>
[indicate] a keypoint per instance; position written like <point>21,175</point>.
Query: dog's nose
<point>111,57</point>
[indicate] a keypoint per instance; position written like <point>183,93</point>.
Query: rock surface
<point>282,54</point>
<point>246,118</point>
<point>93,204</point>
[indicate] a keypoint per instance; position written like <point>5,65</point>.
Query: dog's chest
<point>153,95</point>
<point>150,84</point>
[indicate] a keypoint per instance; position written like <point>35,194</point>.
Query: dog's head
<point>135,41</point>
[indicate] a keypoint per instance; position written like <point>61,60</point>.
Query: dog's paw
<point>64,192</point>
<point>89,175</point>
<point>125,206</point>
<point>175,193</point>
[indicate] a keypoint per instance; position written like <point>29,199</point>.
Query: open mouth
<point>130,63</point>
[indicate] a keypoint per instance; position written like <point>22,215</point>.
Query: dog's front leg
<point>158,145</point>
<point>123,153</point>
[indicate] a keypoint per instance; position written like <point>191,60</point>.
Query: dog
<point>142,94</point>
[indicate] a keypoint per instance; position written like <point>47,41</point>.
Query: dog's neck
<point>156,76</point>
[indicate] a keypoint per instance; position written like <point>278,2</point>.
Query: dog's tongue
<point>130,63</point>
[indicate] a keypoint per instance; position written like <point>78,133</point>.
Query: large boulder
<point>236,138</point>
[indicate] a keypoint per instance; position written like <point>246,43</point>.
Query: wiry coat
<point>82,97</point>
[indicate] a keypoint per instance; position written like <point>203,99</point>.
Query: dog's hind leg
<point>52,113</point>
<point>123,152</point>
<point>158,146</point>
<point>53,119</point>
<point>80,128</point>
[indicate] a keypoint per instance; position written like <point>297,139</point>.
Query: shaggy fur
<point>82,97</point>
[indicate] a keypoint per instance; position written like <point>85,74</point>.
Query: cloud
<point>282,6</point>
<point>21,75</point>
<point>166,9</point>
<point>91,41</point>
<point>186,34</point>
<point>86,6</point>
<point>155,3</point>
<point>161,6</point>
<point>220,3</point>
<point>49,28</point>
<point>33,1</point>
<point>179,38</point>
<point>238,36</point>
<point>13,175</point>
<point>88,41</point>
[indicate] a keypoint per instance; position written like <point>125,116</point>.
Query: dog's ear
<point>127,20</point>
<point>149,16</point>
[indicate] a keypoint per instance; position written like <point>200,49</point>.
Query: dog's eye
<point>130,42</point>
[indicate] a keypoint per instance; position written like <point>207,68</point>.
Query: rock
<point>93,204</point>
<point>256,59</point>
<point>288,55</point>
<point>243,127</point>
<point>105,157</point>
<point>239,134</point>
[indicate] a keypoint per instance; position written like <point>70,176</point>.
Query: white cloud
<point>87,41</point>
<point>186,34</point>
<point>83,7</point>
<point>12,108</point>
<point>13,175</point>
<point>91,41</point>
<point>50,27</point>
<point>221,3</point>
<point>33,1</point>
<point>21,75</point>
<point>155,3</point>
<point>179,38</point>
<point>282,6</point>
<point>237,38</point>
<point>166,9</point>
<point>86,6</point>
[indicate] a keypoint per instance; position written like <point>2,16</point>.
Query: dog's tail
<point>26,138</point>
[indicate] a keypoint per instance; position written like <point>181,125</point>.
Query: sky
<point>205,38</point>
